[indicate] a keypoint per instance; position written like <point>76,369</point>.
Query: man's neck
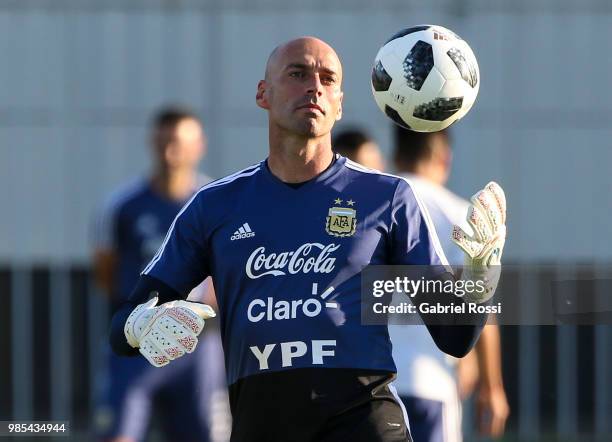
<point>174,185</point>
<point>295,160</point>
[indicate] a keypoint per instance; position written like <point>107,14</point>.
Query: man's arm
<point>491,402</point>
<point>483,251</point>
<point>455,340</point>
<point>104,242</point>
<point>416,242</point>
<point>156,320</point>
<point>105,264</point>
<point>453,333</point>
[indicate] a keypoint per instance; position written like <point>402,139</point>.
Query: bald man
<point>285,241</point>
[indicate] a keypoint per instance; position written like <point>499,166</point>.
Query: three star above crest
<point>350,202</point>
<point>338,201</point>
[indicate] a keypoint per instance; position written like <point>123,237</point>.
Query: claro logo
<point>308,258</point>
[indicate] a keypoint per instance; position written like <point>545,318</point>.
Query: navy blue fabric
<point>139,223</point>
<point>270,280</point>
<point>426,419</point>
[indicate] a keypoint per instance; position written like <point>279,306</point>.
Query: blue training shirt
<point>286,262</point>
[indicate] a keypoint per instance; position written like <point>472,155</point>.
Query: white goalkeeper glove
<point>168,331</point>
<point>487,218</point>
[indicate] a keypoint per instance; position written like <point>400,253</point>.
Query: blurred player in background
<point>189,397</point>
<point>357,145</point>
<point>427,381</point>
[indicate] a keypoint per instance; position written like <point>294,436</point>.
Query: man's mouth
<point>312,106</point>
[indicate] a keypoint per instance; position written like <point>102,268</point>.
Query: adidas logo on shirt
<point>243,232</point>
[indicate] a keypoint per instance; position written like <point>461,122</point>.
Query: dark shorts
<point>317,404</point>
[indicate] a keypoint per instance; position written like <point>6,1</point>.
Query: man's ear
<point>260,97</point>
<point>339,116</point>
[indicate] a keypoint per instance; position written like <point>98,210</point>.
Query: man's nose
<point>315,87</point>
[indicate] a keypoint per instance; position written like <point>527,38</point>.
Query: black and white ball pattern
<point>425,78</point>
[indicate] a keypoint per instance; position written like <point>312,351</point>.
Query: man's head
<point>177,138</point>
<point>302,88</point>
<point>424,154</point>
<point>357,145</point>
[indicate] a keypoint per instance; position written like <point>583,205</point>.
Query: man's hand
<point>168,331</point>
<point>492,410</point>
<point>483,249</point>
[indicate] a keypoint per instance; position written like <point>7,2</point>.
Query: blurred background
<point>81,78</point>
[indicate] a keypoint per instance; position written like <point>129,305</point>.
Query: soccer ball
<point>425,78</point>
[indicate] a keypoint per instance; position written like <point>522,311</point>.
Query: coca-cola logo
<point>309,257</point>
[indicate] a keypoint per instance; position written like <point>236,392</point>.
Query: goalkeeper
<point>285,241</point>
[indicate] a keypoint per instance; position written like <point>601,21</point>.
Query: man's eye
<point>296,74</point>
<point>329,80</point>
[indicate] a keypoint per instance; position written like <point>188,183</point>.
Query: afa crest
<point>341,221</point>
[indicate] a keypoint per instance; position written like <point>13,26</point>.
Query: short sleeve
<point>182,260</point>
<point>413,235</point>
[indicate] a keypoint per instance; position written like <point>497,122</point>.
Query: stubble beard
<point>305,127</point>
